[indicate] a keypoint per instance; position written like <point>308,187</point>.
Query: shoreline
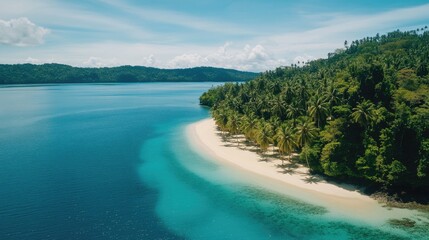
<point>341,200</point>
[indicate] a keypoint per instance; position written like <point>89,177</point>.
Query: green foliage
<point>58,73</point>
<point>367,164</point>
<point>397,170</point>
<point>285,139</point>
<point>423,168</point>
<point>311,155</point>
<point>362,113</point>
<point>264,136</point>
<point>306,133</point>
<point>330,166</point>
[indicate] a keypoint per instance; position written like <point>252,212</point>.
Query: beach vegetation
<point>362,114</point>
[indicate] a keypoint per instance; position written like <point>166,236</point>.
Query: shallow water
<point>97,161</point>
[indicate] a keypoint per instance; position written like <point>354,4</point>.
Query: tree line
<point>58,73</point>
<point>361,114</point>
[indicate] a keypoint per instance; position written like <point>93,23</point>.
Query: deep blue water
<point>90,161</point>
<point>70,156</point>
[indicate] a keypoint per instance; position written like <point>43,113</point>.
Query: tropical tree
<point>278,107</point>
<point>285,140</point>
<point>221,118</point>
<point>275,122</point>
<point>319,110</point>
<point>293,112</point>
<point>364,113</point>
<point>264,136</point>
<point>249,127</point>
<point>331,96</point>
<point>306,133</point>
<point>287,93</point>
<point>233,125</point>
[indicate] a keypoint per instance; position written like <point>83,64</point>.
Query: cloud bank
<point>21,32</point>
<point>245,57</point>
<point>249,58</point>
<point>100,62</point>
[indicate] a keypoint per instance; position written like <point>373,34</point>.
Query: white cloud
<point>303,59</point>
<point>33,60</point>
<point>38,60</point>
<point>21,32</point>
<point>100,62</point>
<point>249,58</point>
<point>150,61</point>
<point>187,60</point>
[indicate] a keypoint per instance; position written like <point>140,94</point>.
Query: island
<point>59,73</point>
<point>361,116</point>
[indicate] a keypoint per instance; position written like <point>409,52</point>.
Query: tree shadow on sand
<point>313,179</point>
<point>249,146</point>
<point>228,144</point>
<point>289,171</point>
<point>288,167</point>
<point>265,157</point>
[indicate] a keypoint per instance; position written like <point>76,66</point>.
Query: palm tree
<point>259,106</point>
<point>235,104</point>
<point>285,140</point>
<point>275,122</point>
<point>249,126</point>
<point>233,124</point>
<point>364,113</point>
<point>293,112</point>
<point>318,110</point>
<point>264,136</point>
<point>275,87</point>
<point>303,93</point>
<point>221,118</point>
<point>306,132</point>
<point>278,107</point>
<point>244,119</point>
<point>331,96</point>
<point>287,93</point>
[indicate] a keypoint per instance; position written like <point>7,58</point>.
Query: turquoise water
<point>90,161</point>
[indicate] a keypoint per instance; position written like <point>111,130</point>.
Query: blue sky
<point>248,35</point>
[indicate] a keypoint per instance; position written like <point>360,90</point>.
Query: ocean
<point>111,161</point>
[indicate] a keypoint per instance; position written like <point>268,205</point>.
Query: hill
<point>360,115</point>
<point>58,73</point>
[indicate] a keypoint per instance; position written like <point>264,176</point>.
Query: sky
<point>252,35</point>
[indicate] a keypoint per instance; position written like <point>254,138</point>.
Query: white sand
<point>341,200</point>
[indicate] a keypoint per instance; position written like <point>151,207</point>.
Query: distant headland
<point>59,73</point>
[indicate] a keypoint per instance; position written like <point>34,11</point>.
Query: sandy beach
<point>340,200</point>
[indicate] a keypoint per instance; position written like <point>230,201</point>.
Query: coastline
<point>340,200</point>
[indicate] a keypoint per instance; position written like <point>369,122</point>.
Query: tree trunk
<point>308,164</point>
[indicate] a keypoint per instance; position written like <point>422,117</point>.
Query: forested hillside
<point>57,73</point>
<point>361,114</point>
